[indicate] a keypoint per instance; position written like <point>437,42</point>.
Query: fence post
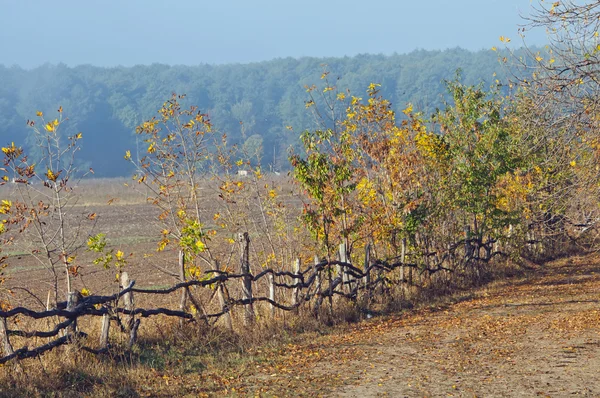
<point>72,300</point>
<point>223,302</point>
<point>296,290</point>
<point>244,240</point>
<point>133,334</point>
<point>403,260</point>
<point>7,347</point>
<point>272,293</point>
<point>468,248</point>
<point>128,302</point>
<point>105,331</point>
<point>319,298</point>
<point>368,275</point>
<point>184,296</point>
<point>317,273</point>
<point>344,259</point>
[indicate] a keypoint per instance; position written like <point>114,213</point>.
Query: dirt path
<point>538,336</point>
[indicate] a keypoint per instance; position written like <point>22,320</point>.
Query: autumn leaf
<point>52,176</point>
<point>50,127</point>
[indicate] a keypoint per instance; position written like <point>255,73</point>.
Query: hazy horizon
<point>191,32</point>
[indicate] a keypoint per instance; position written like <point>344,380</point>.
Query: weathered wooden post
<point>184,292</point>
<point>224,306</point>
<point>133,334</point>
<point>296,290</point>
<point>468,247</point>
<point>272,293</point>
<point>223,301</point>
<point>72,300</point>
<point>244,240</point>
<point>128,302</point>
<point>104,333</point>
<point>403,260</point>
<point>6,346</point>
<point>318,296</point>
<point>343,255</point>
<point>367,271</point>
<point>317,274</point>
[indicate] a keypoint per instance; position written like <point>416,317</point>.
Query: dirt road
<point>538,336</point>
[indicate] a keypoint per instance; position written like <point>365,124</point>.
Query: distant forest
<point>106,104</point>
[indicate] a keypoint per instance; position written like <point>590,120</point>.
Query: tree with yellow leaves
<point>44,195</point>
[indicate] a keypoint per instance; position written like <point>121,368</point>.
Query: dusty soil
<point>537,336</point>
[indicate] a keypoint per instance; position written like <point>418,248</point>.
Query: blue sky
<point>129,32</point>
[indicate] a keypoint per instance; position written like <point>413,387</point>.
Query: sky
<point>192,32</point>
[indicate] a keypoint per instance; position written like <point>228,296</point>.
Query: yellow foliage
<point>5,206</point>
<point>51,175</point>
<point>162,244</point>
<point>12,150</point>
<point>366,191</point>
<point>50,127</point>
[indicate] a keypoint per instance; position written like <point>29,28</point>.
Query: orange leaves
<point>74,270</point>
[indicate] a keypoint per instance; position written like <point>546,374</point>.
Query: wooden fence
<point>305,286</point>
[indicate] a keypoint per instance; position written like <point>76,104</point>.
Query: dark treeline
<point>106,104</point>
